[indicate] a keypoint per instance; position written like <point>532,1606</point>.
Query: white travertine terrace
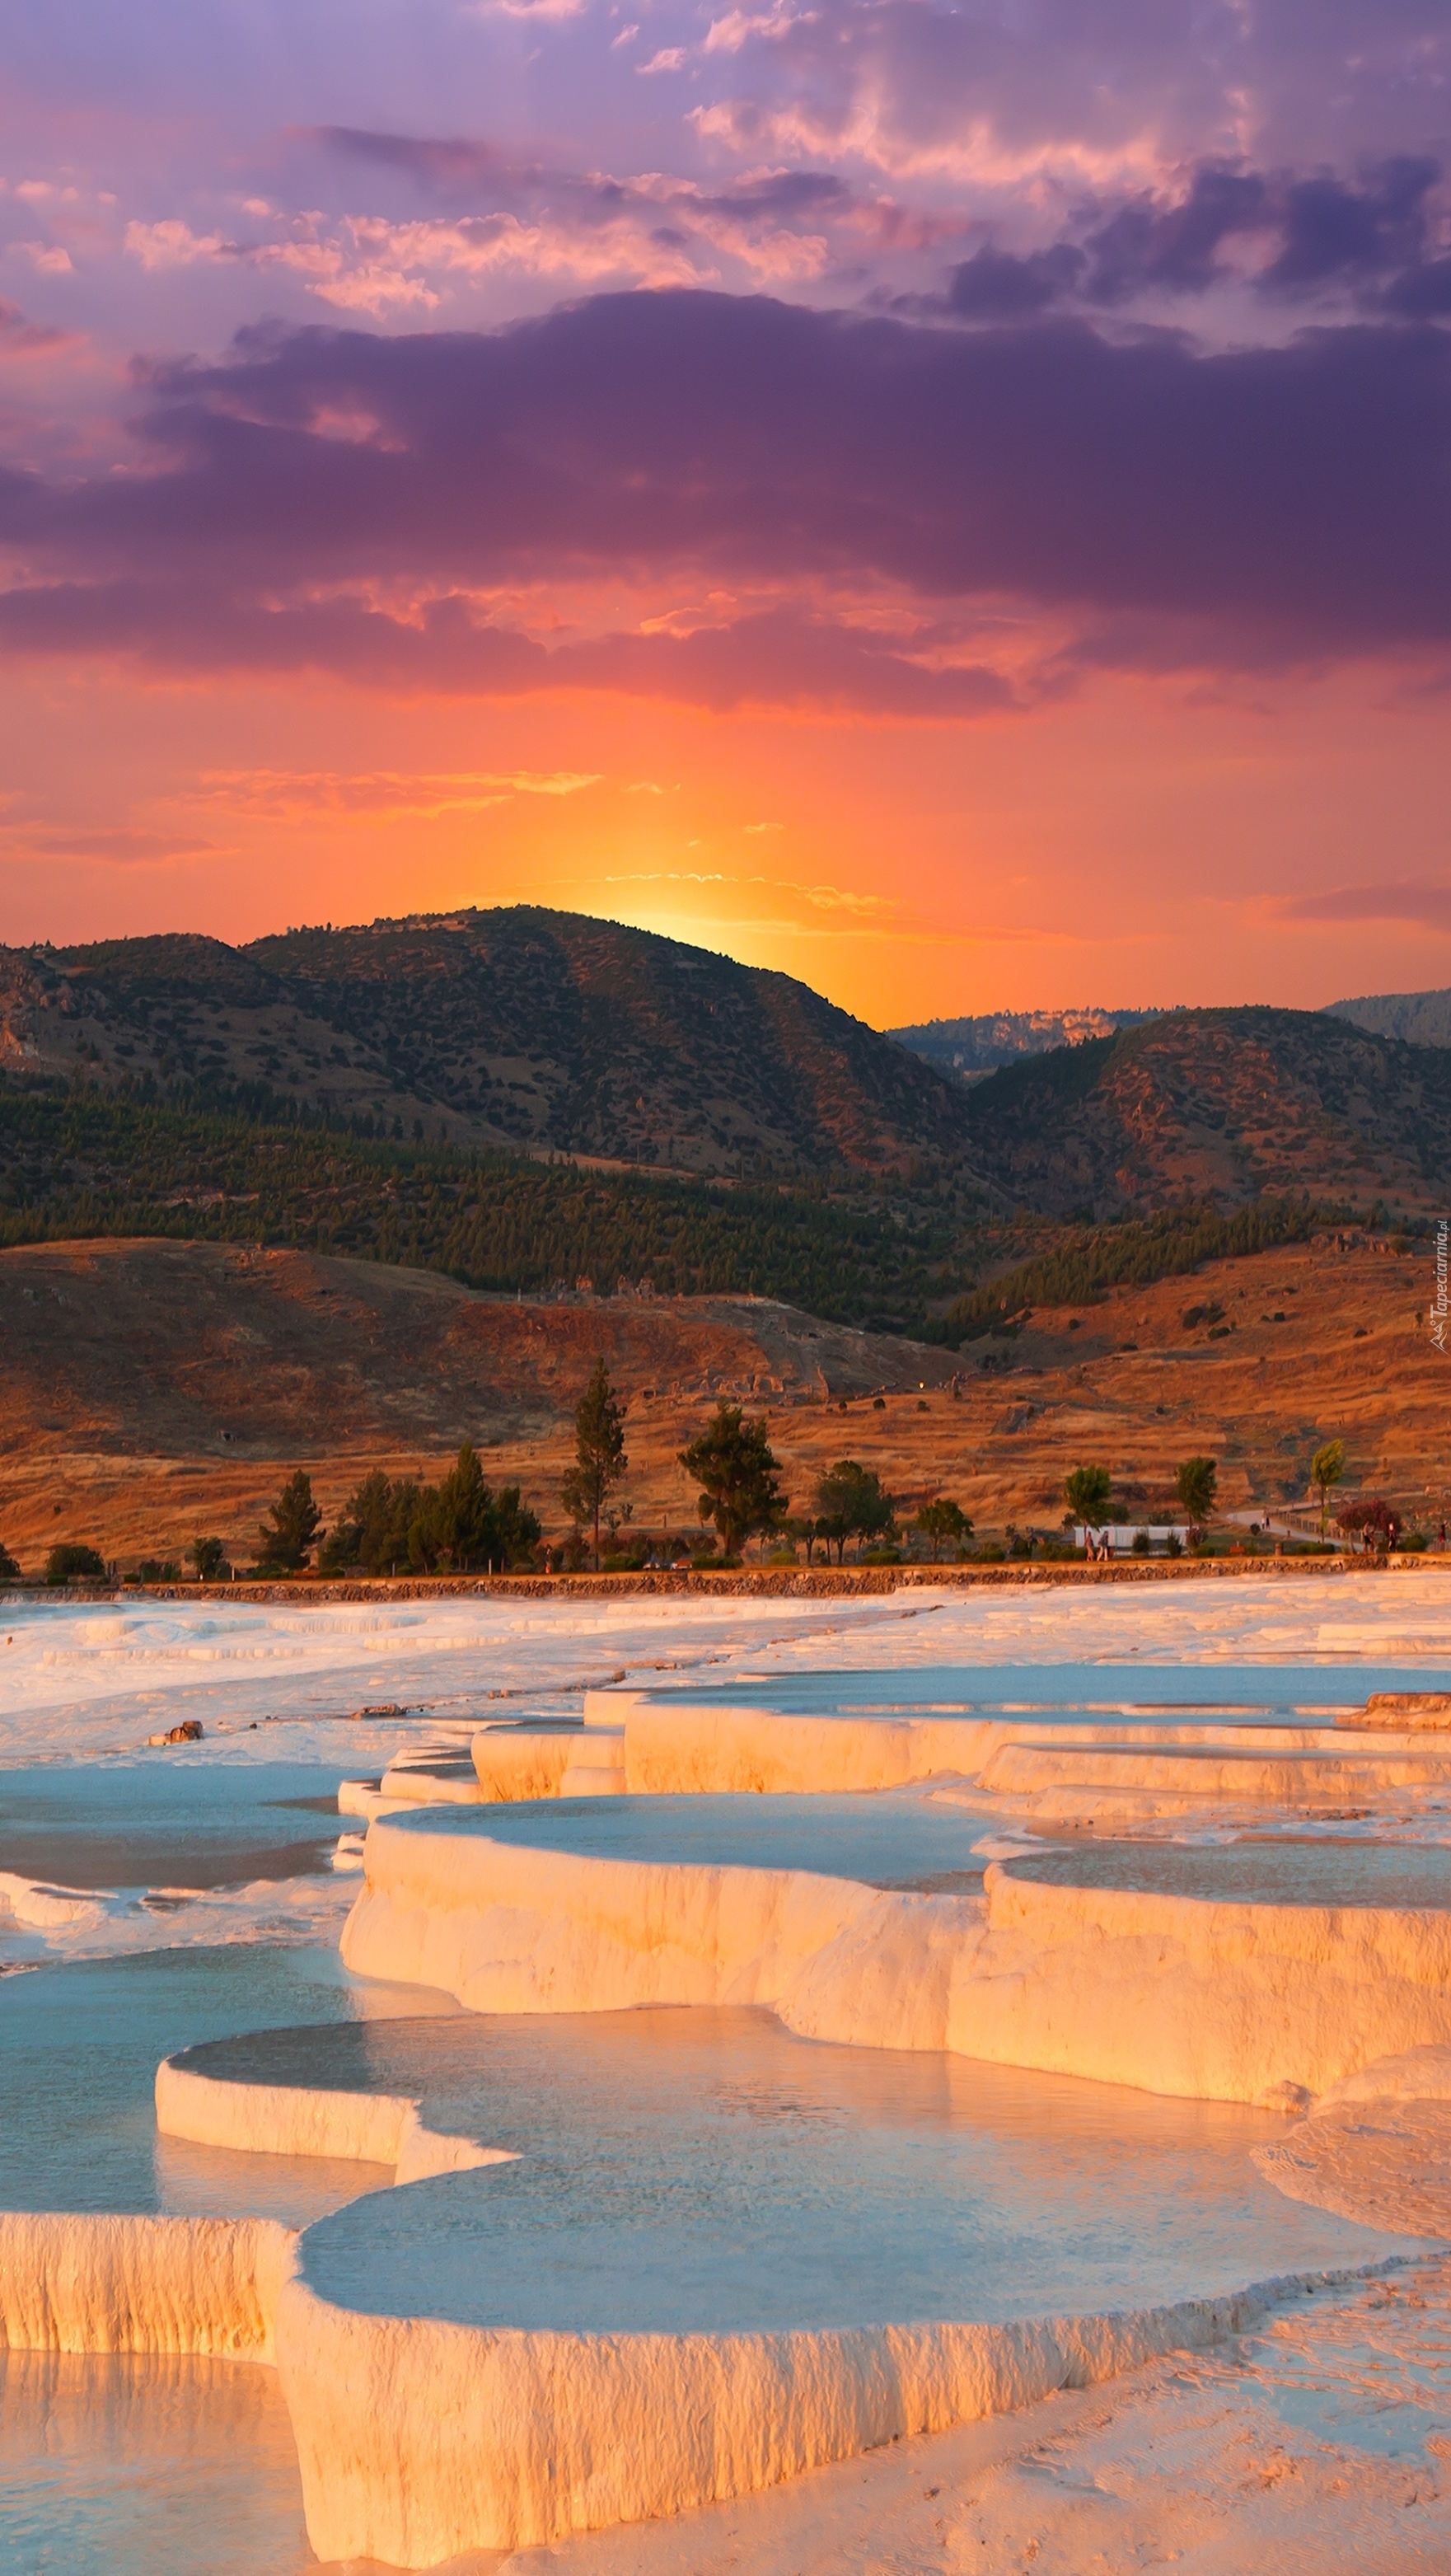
<point>676,1748</point>
<point>82,2282</point>
<point>548,1762</point>
<point>1226,2001</point>
<point>310,2120</point>
<point>1377,2142</point>
<point>1178,1995</point>
<point>504,1764</point>
<point>1064,1772</point>
<point>419,2439</point>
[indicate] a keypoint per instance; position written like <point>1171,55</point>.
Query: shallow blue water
<point>157,2467</point>
<point>79,2047</point>
<point>1285,1870</point>
<point>706,2169</point>
<point>887,1840</point>
<point>1250,1690</point>
<point>170,1819</point>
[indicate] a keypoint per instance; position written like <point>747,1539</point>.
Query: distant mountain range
<point>333,1088</point>
<point>970,1047</point>
<point>517,1027</point>
<point>1218,1106</point>
<point>1422,1018</point>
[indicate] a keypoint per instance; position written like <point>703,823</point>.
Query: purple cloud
<point>477,177</point>
<point>1418,901</point>
<point>1374,239</point>
<point>1291,501</point>
<point>776,658</point>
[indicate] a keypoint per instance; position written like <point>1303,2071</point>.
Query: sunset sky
<point>952,501</point>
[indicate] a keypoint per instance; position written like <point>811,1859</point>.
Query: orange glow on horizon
<point>1136,844</point>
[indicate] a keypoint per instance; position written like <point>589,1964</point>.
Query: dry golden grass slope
<point>150,1391</point>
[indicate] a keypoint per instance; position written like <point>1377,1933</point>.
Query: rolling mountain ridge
<point>1422,1018</point>
<point>517,1027</point>
<point>1218,1106</point>
<point>535,1033</point>
<point>978,1044</point>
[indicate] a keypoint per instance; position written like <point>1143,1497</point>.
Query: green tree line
<point>80,1163</point>
<point>1132,1253</point>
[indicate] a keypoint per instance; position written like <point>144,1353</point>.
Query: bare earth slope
<point>517,1026</point>
<point>1219,1105</point>
<point>154,1390</point>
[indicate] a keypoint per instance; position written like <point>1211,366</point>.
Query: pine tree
<point>291,1526</point>
<point>733,1463</point>
<point>599,1449</point>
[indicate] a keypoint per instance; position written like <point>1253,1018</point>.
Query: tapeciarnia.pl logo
<point>1438,1303</point>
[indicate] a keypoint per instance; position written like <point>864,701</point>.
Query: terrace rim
<point>769,1582</point>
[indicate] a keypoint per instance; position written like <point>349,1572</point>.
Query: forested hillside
<point>1220,1108</point>
<point>511,1027</point>
<point>80,1163</point>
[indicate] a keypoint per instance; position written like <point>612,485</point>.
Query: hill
<point>153,1391</point>
<point>176,1087</point>
<point>1218,1107</point>
<point>81,1162</point>
<point>1422,1018</point>
<point>969,1047</point>
<point>196,1350</point>
<point>519,1027</point>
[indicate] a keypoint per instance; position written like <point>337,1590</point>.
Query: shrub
<point>631,1557</point>
<point>70,1563</point>
<point>1374,1521</point>
<point>1139,1544</point>
<point>9,1570</point>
